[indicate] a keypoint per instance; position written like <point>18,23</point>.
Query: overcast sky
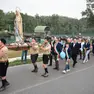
<point>70,8</point>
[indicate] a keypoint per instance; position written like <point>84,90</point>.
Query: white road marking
<point>48,81</point>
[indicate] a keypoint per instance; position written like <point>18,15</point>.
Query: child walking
<point>68,56</point>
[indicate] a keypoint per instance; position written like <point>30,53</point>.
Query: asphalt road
<point>80,80</point>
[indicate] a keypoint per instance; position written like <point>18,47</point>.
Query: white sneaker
<point>86,60</point>
<point>68,70</point>
<point>64,71</point>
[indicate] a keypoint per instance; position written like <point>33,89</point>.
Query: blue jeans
<point>24,56</point>
<point>67,67</point>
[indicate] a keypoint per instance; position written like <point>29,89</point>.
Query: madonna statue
<point>18,27</point>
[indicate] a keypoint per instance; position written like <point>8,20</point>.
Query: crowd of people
<point>52,47</point>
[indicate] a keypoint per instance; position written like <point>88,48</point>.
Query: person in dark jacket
<point>58,49</point>
<point>53,54</point>
<point>75,51</point>
<point>93,46</point>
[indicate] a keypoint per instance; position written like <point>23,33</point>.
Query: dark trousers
<point>51,58</point>
<point>93,49</point>
<point>80,53</point>
<point>74,58</point>
<point>3,68</point>
<point>45,59</point>
<point>89,56</point>
<point>34,58</point>
<point>83,54</point>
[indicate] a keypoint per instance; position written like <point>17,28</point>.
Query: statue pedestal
<point>18,46</point>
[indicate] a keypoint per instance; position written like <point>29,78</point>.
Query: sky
<point>69,8</point>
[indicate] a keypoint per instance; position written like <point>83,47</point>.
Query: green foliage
<point>9,21</point>
<point>58,24</point>
<point>88,14</point>
<point>2,22</point>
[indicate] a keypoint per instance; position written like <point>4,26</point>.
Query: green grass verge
<point>18,62</point>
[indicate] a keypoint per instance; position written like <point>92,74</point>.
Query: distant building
<point>42,31</point>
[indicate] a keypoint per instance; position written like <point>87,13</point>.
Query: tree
<point>2,22</point>
<point>9,21</point>
<point>58,24</point>
<point>88,13</point>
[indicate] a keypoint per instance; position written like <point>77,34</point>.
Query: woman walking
<point>87,50</point>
